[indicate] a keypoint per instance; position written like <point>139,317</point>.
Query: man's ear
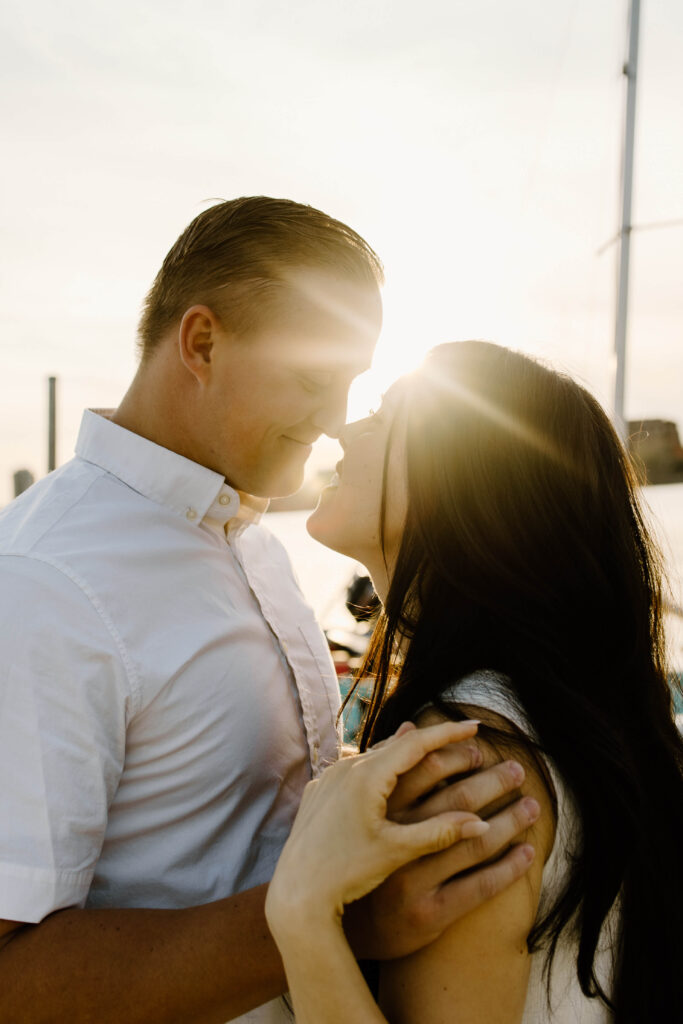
<point>197,335</point>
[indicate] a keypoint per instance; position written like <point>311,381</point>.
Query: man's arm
<point>202,965</point>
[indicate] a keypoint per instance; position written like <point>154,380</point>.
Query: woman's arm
<point>477,970</point>
<point>342,845</point>
<point>325,982</point>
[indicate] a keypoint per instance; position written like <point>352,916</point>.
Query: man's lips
<point>296,440</point>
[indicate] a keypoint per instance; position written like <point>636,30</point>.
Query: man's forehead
<point>323,355</point>
<point>336,302</point>
<point>357,304</point>
<point>325,322</point>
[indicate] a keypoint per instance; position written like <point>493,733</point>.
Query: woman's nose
<point>351,430</point>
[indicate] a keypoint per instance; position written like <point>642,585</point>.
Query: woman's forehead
<point>395,394</point>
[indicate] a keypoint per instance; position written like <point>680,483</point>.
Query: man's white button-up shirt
<point>165,692</point>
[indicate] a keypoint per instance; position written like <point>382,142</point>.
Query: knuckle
<point>462,797</point>
<point>397,888</point>
<point>488,884</point>
<point>439,909</point>
<point>433,765</point>
<point>521,815</point>
<point>517,865</point>
<point>475,758</point>
<point>420,913</point>
<point>478,848</point>
<point>445,837</point>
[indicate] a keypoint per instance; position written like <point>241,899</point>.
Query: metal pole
<point>52,425</point>
<point>630,70</point>
<point>23,478</point>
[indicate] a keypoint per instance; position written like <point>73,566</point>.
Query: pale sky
<point>475,144</point>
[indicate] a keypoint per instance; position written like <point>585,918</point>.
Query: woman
<point>496,512</point>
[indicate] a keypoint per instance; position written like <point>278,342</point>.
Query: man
<point>165,691</point>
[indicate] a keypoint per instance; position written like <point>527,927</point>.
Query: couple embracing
<point>508,847</point>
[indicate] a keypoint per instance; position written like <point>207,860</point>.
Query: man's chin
<point>276,482</point>
<point>282,486</point>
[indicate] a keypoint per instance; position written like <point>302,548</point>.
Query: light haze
<point>476,145</point>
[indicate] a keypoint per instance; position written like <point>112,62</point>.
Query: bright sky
<point>475,144</point>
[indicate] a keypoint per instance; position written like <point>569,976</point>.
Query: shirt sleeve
<point>64,703</point>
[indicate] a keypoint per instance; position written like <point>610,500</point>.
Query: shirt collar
<point>187,488</point>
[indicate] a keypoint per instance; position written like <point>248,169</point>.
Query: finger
<point>462,895</point>
<point>506,827</point>
<point>439,833</point>
<point>398,757</point>
<point>401,731</point>
<point>405,727</point>
<point>433,770</point>
<point>471,794</point>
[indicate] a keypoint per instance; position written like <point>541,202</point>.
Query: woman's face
<point>347,518</point>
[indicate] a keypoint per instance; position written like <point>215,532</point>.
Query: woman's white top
<point>568,1004</point>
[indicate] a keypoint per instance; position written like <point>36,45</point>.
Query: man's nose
<point>331,417</point>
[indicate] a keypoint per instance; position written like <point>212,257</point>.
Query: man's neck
<point>155,407</point>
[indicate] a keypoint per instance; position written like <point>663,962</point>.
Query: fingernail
<point>516,771</point>
<point>471,721</point>
<point>474,828</point>
<point>532,808</point>
<point>527,852</point>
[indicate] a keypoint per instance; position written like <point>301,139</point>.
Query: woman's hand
<point>342,844</point>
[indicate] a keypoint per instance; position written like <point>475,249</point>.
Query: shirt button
<point>314,757</point>
<point>191,513</point>
<point>224,499</point>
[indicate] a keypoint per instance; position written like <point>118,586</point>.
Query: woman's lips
<point>336,479</point>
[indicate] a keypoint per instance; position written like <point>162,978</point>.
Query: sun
<point>400,349</point>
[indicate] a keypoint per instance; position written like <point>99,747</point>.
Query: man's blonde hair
<point>233,255</point>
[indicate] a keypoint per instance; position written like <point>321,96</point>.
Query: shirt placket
<point>289,645</point>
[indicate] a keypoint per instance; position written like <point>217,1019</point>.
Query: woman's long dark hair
<point>525,551</point>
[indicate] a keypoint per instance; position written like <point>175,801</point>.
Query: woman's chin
<point>318,523</point>
<point>326,525</point>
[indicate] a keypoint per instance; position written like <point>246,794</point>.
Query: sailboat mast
<point>630,70</point>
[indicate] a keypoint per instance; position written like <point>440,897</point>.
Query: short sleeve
<point>64,702</point>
